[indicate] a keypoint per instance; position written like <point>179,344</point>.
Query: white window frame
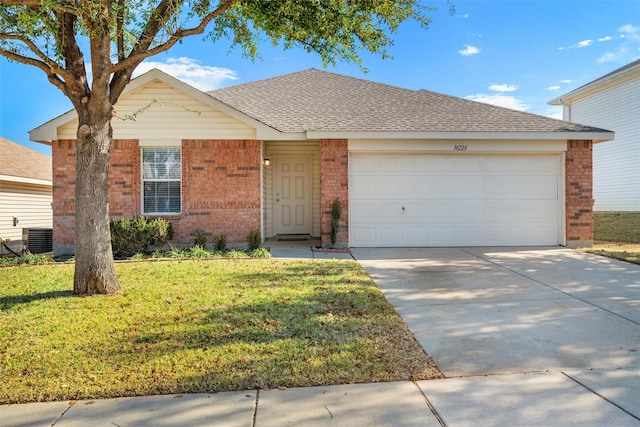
<point>147,146</point>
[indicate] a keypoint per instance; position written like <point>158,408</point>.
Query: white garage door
<point>445,200</point>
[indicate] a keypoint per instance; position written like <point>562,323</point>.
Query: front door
<point>293,195</point>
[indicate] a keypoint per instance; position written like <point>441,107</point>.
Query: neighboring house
<point>410,167</point>
<point>25,193</point>
<point>612,102</point>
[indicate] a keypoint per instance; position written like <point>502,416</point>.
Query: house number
<point>459,148</point>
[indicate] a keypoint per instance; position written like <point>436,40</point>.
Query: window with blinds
<point>161,180</point>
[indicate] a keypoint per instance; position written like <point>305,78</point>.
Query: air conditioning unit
<point>38,240</point>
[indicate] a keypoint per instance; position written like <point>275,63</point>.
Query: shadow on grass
<point>13,301</point>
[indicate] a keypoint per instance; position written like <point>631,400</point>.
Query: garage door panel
<point>439,210</point>
<point>453,200</point>
<point>364,213</point>
<point>533,211</point>
<point>387,189</point>
<point>537,186</point>
<point>365,186</point>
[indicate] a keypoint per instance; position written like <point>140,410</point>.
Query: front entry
<point>293,195</point>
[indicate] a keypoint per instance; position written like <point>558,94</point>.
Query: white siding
<point>292,149</point>
<point>31,204</point>
<point>616,164</point>
<point>165,113</point>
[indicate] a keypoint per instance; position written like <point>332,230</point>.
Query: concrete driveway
<point>501,311</point>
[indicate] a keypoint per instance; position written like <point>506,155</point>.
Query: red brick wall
<point>220,188</point>
<point>125,179</point>
<point>579,193</point>
<point>334,183</point>
<point>63,155</point>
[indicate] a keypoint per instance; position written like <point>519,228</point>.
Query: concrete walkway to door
<point>519,331</point>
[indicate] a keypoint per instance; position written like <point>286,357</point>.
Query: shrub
<point>176,253</point>
<point>199,252</point>
<point>236,254</point>
<point>254,240</point>
<point>26,258</point>
<point>260,253</point>
<point>220,242</point>
<point>200,239</point>
<point>139,235</point>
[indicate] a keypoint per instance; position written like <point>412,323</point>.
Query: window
<point>161,180</point>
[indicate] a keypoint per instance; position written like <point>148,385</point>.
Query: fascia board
<point>24,180</point>
<point>594,136</point>
<point>597,86</point>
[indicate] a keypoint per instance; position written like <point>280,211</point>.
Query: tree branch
<point>53,77</point>
<point>138,55</point>
<point>120,12</point>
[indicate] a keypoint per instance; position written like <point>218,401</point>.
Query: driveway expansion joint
<point>600,395</point>
<point>550,287</point>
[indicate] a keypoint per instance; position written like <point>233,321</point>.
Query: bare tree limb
<point>138,55</point>
<point>52,74</point>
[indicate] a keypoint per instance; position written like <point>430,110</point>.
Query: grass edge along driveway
<point>200,326</point>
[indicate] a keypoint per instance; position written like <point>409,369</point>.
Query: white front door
<point>293,195</point>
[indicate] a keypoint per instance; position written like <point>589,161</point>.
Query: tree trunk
<point>94,266</point>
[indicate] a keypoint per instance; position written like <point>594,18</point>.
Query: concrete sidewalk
<point>527,338</point>
<point>547,399</point>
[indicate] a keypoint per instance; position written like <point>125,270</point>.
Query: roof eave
<point>25,180</point>
<point>599,136</point>
<point>615,78</point>
<point>48,132</point>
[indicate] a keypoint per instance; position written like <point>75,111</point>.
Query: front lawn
<point>629,252</point>
<point>199,326</point>
<point>616,227</point>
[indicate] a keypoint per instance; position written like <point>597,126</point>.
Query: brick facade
<point>334,183</point>
<point>220,188</point>
<point>579,193</point>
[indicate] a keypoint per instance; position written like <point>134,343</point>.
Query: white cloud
<point>554,113</point>
<point>579,45</point>
<point>191,71</point>
<point>630,32</point>
<point>608,57</point>
<point>566,81</point>
<point>627,50</point>
<point>605,39</point>
<point>502,87</point>
<point>553,88</point>
<point>469,50</point>
<point>500,100</point>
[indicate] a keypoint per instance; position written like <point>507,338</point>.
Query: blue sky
<point>518,54</point>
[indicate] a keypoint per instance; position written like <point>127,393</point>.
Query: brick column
<point>334,184</point>
<point>579,193</point>
<point>63,153</point>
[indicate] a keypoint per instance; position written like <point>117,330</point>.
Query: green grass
<point>616,235</point>
<point>199,326</point>
<point>622,227</point>
<point>629,252</point>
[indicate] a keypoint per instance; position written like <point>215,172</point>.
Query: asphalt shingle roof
<point>17,160</point>
<point>316,100</point>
